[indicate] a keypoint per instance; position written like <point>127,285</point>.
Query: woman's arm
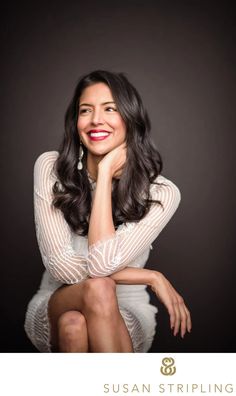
<point>134,276</point>
<point>179,314</point>
<point>101,224</point>
<point>53,233</point>
<point>116,251</point>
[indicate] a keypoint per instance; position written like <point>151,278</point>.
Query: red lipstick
<point>98,134</point>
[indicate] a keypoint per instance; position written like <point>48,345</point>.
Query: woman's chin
<point>99,152</point>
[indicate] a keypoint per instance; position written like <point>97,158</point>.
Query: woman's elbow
<point>64,274</point>
<point>64,279</point>
<point>94,272</point>
<point>107,269</point>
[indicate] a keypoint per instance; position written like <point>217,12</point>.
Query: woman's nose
<point>97,117</point>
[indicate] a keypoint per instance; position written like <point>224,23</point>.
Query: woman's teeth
<point>98,134</point>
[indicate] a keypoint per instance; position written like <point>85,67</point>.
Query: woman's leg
<point>72,332</point>
<point>100,327</point>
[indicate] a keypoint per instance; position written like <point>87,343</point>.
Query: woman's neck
<point>92,165</point>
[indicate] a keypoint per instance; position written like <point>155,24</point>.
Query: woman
<point>99,204</point>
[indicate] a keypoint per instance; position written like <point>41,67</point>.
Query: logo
<point>168,367</point>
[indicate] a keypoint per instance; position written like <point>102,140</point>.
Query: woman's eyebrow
<point>88,104</point>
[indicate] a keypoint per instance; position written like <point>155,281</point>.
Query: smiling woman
<point>100,202</point>
<point>99,121</point>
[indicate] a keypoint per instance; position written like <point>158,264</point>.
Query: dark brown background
<point>181,57</point>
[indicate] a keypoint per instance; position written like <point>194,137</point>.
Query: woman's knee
<point>100,295</point>
<point>70,324</point>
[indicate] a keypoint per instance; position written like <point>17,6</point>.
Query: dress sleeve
<point>131,240</point>
<point>53,233</point>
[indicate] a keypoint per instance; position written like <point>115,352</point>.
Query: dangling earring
<point>81,154</point>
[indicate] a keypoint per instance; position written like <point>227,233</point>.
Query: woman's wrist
<point>104,172</point>
<point>155,277</point>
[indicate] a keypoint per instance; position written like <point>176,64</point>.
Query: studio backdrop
<point>181,58</point>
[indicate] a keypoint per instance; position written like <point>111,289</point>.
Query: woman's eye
<point>85,111</point>
<point>110,109</point>
<point>82,111</point>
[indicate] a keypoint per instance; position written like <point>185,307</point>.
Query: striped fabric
<point>68,259</point>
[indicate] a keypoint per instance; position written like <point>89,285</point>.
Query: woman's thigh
<point>75,298</point>
<point>63,300</point>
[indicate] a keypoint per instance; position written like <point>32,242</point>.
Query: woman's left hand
<point>114,161</point>
<point>180,318</point>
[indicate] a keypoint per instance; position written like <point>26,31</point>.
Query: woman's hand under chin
<point>114,161</point>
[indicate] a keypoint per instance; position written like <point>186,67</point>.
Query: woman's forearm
<point>101,224</point>
<point>135,276</point>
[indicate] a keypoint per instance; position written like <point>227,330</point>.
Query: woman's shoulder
<point>43,166</point>
<point>46,158</point>
<point>163,184</point>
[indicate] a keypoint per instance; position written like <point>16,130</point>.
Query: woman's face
<point>100,125</point>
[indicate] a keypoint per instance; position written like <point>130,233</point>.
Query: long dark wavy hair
<point>130,195</point>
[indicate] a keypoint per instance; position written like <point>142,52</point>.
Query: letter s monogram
<point>168,367</point>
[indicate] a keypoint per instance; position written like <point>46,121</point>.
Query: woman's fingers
<point>189,320</point>
<point>182,314</point>
<point>172,314</point>
<point>174,311</point>
<point>186,322</point>
<point>177,317</point>
<point>165,295</point>
<point>180,319</point>
<point>115,160</point>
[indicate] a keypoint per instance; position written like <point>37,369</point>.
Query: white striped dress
<point>68,259</point>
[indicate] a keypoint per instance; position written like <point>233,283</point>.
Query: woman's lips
<point>97,136</point>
